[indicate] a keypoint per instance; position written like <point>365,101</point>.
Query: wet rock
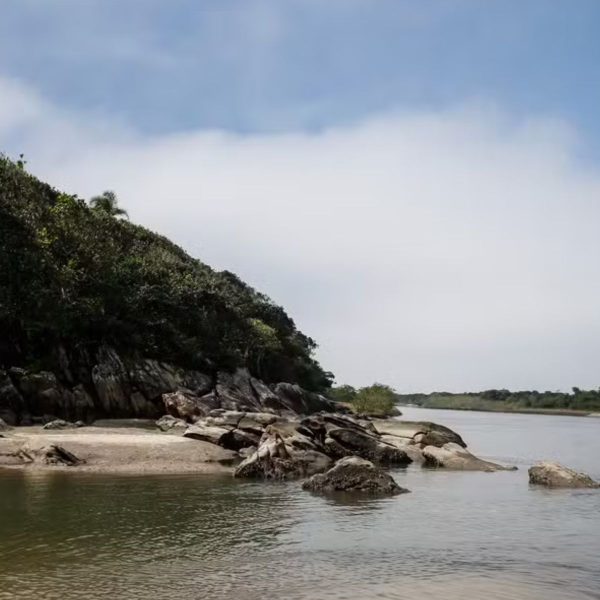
<point>454,457</point>
<point>555,475</point>
<point>170,423</point>
<point>354,474</point>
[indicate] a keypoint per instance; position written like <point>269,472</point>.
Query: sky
<point>417,183</point>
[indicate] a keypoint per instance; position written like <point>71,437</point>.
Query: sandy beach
<point>116,450</point>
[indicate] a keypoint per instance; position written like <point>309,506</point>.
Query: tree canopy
<point>73,276</point>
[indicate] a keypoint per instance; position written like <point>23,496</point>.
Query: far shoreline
<point>561,412</point>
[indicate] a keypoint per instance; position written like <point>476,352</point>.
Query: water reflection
<point>468,535</point>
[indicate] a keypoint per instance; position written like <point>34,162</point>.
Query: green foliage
<point>505,400</point>
<point>377,399</point>
<point>107,202</point>
<point>72,275</point>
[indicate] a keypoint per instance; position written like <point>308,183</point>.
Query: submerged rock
<point>354,474</point>
<point>454,457</point>
<point>555,475</point>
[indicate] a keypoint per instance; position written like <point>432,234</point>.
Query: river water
<point>67,536</point>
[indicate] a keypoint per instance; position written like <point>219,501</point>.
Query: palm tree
<point>107,202</point>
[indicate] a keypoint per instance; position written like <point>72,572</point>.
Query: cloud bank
<point>440,250</point>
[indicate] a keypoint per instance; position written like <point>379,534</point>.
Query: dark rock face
<point>4,426</point>
<point>354,474</point>
<point>187,406</point>
<point>369,447</point>
<point>11,401</point>
<point>555,475</point>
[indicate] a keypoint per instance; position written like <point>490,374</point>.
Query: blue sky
<point>254,66</point>
<point>417,182</point>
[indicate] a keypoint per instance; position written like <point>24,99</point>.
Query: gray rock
<point>206,433</point>
<point>354,474</point>
<point>454,457</point>
<point>369,447</point>
<point>4,426</point>
<point>235,391</point>
<point>292,398</point>
<point>170,423</point>
<point>185,405</point>
<point>60,424</point>
<point>57,455</point>
<point>275,459</point>
<point>555,475</point>
<point>421,432</point>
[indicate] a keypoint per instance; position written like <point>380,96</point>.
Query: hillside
<point>74,281</point>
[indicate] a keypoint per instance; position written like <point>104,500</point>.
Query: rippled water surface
<point>458,535</point>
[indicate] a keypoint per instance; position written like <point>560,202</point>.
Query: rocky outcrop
<point>555,475</point>
<point>454,457</point>
<point>292,448</point>
<point>4,426</point>
<point>104,384</point>
<point>354,474</point>
<point>277,459</point>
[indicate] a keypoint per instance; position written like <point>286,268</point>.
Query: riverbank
<point>116,450</point>
<point>563,412</point>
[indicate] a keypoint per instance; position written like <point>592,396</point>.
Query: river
<point>67,536</point>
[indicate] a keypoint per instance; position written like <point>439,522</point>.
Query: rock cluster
<point>110,386</point>
<point>555,475</point>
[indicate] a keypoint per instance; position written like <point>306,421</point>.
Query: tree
<point>107,202</point>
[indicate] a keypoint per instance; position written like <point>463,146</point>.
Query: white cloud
<point>434,250</point>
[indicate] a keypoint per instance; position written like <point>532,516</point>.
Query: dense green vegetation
<point>577,400</point>
<point>73,277</point>
<point>376,399</point>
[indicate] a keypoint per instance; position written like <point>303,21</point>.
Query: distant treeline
<point>579,400</point>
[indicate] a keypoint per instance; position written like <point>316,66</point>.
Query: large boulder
<point>170,423</point>
<point>454,457</point>
<point>555,475</point>
<point>424,433</point>
<point>4,426</point>
<point>368,446</point>
<point>276,459</point>
<point>354,474</point>
<point>235,391</point>
<point>185,405</point>
<point>205,433</point>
